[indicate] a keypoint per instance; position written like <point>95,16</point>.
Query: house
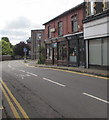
<point>96,33</point>
<point>37,40</point>
<point>64,38</point>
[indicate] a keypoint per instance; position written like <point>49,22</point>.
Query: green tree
<point>5,48</point>
<point>6,39</point>
<point>41,51</point>
<point>18,49</point>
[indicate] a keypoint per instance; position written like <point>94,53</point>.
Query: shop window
<point>60,30</point>
<point>74,22</point>
<point>73,51</point>
<point>49,52</point>
<point>98,50</point>
<point>62,51</point>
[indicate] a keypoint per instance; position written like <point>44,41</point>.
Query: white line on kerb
<point>32,74</point>
<point>97,98</point>
<point>54,82</point>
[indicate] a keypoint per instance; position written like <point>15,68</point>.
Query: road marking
<point>1,108</point>
<point>9,66</point>
<point>86,74</point>
<point>55,82</point>
<point>10,104</point>
<point>27,75</point>
<point>15,101</point>
<point>79,73</point>
<point>97,98</point>
<point>21,70</point>
<point>32,74</point>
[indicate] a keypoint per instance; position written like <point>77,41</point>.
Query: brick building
<point>64,38</point>
<point>37,39</point>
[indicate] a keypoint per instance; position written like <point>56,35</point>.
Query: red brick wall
<point>66,19</point>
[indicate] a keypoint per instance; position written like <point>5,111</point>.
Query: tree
<point>41,51</point>
<point>6,39</point>
<point>5,48</point>
<point>18,49</point>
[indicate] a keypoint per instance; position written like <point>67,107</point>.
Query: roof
<point>38,30</point>
<point>66,12</point>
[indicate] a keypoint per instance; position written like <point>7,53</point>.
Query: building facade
<point>64,38</point>
<point>96,33</point>
<point>37,40</point>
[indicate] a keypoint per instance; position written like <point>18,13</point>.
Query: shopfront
<point>98,49</point>
<point>76,50</point>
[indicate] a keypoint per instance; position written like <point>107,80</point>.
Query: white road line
<point>22,70</point>
<point>32,74</point>
<point>1,108</point>
<point>55,82</point>
<point>97,98</point>
<point>9,66</point>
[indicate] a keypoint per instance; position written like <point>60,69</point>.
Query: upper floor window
<point>39,35</point>
<point>96,6</point>
<point>105,4</point>
<point>60,29</point>
<point>49,32</point>
<point>74,23</point>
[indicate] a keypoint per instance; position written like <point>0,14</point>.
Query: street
<point>34,92</point>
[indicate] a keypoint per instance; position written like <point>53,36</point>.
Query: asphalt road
<point>32,92</point>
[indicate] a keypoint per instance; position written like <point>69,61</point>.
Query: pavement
<point>98,72</point>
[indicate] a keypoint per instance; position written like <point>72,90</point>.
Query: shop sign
<point>69,38</point>
<point>54,45</point>
<point>52,30</point>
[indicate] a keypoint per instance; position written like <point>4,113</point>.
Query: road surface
<point>33,92</point>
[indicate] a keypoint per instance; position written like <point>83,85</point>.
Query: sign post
<point>25,50</point>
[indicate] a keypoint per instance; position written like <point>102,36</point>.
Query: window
<point>62,51</point>
<point>60,29</point>
<point>73,51</point>
<point>98,51</point>
<point>96,6</point>
<point>49,32</point>
<point>74,24</point>
<point>49,52</point>
<point>38,36</point>
<point>105,4</point>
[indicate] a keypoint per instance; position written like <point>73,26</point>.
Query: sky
<point>19,17</point>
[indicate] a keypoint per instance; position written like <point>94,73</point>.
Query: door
<point>81,50</point>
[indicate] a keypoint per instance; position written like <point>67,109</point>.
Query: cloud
<point>19,23</point>
<point>19,29</point>
<point>13,32</point>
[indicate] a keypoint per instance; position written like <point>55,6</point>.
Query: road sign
<point>24,49</point>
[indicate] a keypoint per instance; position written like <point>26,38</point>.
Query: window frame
<point>60,28</point>
<point>74,22</point>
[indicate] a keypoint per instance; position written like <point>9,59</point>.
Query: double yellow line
<point>7,92</point>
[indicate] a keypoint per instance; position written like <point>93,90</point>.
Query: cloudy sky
<point>19,17</point>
